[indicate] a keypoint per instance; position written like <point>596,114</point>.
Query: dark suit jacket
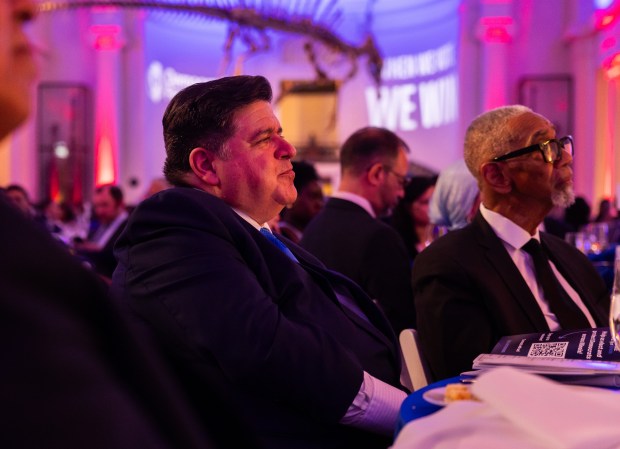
<point>224,301</point>
<point>74,373</point>
<point>469,293</point>
<point>347,239</point>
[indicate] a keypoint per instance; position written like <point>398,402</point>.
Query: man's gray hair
<point>489,136</point>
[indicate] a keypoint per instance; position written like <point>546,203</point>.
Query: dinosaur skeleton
<point>250,20</point>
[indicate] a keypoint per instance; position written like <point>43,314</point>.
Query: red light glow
<point>613,67</point>
<point>497,34</point>
<point>497,29</point>
<point>105,162</point>
<point>107,37</point>
<point>605,18</point>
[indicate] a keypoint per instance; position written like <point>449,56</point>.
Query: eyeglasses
<point>551,150</point>
<point>403,180</point>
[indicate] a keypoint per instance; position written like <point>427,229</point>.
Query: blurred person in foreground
<point>309,202</point>
<point>349,235</point>
<point>310,357</point>
<point>477,284</point>
<point>74,373</point>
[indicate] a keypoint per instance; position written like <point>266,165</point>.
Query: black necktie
<point>566,311</point>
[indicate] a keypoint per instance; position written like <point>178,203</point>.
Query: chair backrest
<point>415,373</point>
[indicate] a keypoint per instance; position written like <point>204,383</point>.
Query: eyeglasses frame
<point>561,142</point>
<point>402,180</point>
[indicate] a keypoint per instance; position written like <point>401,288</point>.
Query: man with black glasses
<point>500,275</point>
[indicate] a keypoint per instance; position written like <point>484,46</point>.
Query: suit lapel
<point>376,324</point>
<point>506,270</point>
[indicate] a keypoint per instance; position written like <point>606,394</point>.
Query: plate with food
<point>450,393</point>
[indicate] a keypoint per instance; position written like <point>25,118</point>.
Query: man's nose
<point>285,150</point>
<point>567,159</point>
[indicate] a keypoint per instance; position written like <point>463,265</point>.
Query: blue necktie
<point>273,239</point>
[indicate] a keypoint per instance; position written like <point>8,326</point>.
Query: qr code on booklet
<point>556,350</point>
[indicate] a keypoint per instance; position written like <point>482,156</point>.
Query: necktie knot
<point>533,247</point>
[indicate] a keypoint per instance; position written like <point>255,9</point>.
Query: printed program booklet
<point>585,356</point>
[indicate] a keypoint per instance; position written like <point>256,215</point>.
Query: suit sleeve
<point>388,278</point>
<point>453,324</point>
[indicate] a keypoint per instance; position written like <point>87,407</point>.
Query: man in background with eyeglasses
<point>500,275</point>
<point>348,235</point>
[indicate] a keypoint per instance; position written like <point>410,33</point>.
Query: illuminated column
<point>107,40</point>
<point>495,30</point>
<point>607,24</point>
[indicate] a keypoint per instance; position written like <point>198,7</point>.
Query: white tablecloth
<point>521,411</point>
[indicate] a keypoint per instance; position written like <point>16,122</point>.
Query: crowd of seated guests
<point>65,221</point>
<point>89,236</point>
<point>302,355</point>
<point>578,217</point>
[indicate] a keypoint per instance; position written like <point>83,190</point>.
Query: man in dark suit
<point>475,285</point>
<point>348,235</point>
<point>74,373</point>
<point>311,358</point>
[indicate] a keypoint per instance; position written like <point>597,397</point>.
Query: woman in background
<point>411,216</point>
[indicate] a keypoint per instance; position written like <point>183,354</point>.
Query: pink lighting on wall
<point>495,30</point>
<point>609,43</point>
<point>106,146</point>
<point>105,166</point>
<point>107,40</point>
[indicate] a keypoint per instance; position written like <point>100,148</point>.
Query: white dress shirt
<point>359,200</point>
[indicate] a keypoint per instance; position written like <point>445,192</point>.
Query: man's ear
<point>202,163</point>
<point>496,177</point>
<point>376,173</point>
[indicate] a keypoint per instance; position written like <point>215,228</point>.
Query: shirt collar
<point>245,216</point>
<point>506,229</point>
<point>250,220</point>
<point>359,200</point>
